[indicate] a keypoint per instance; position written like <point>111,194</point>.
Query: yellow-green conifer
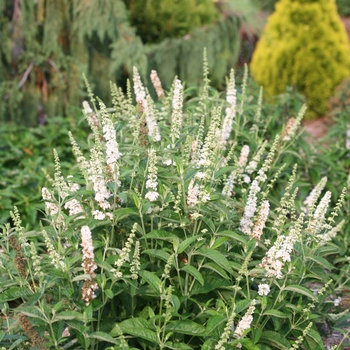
<point>304,45</point>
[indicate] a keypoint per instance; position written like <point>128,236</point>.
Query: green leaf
<point>14,293</point>
<point>68,315</point>
<point>185,327</point>
<point>158,253</point>
<point>275,339</point>
<point>183,245</point>
<point>316,337</point>
<point>109,293</point>
<point>104,264</point>
<point>160,234</point>
<point>215,267</point>
<point>242,305</point>
<point>194,272</point>
<point>276,313</point>
<point>77,325</point>
<point>124,213</point>
<point>234,236</point>
<point>214,322</point>
<point>210,283</point>
<point>321,261</point>
<point>34,312</point>
<point>175,346</point>
<point>214,255</point>
<point>139,327</point>
<point>219,242</point>
<point>301,290</point>
<point>103,336</point>
<point>152,279</point>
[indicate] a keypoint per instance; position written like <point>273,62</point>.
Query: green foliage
<point>168,207</point>
<point>24,152</point>
<point>303,45</point>
<point>157,20</point>
<point>343,7</point>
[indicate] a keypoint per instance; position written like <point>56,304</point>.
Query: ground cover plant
<point>24,152</point>
<point>182,227</point>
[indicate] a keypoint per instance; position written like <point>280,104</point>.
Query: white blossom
<point>250,208</point>
<point>242,161</point>
<point>157,84</point>
<point>279,253</point>
<point>192,194</point>
<point>318,217</point>
<point>246,321</point>
<point>230,111</point>
<point>51,207</point>
<point>152,196</point>
<point>260,223</point>
<point>264,289</point>
<point>152,177</point>
<point>98,215</point>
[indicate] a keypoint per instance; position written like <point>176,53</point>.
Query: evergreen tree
<point>46,46</point>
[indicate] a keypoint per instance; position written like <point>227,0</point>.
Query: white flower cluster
<point>89,264</point>
<point>47,197</point>
<point>318,218</point>
<point>192,194</point>
<point>263,289</point>
<point>96,176</point>
<point>157,84</point>
<point>73,205</point>
<point>315,193</point>
<point>152,126</point>
<point>246,321</point>
<point>261,221</point>
<point>230,111</point>
<point>279,253</point>
<point>90,115</point>
<point>250,208</point>
<point>90,286</point>
<point>243,158</point>
<point>229,184</point>
<point>293,124</point>
<point>112,147</point>
<point>176,117</point>
<point>152,178</point>
<point>146,105</point>
<point>139,89</point>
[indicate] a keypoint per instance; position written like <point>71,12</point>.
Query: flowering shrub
<point>170,235</point>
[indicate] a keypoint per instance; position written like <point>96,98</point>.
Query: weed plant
<point>182,229</point>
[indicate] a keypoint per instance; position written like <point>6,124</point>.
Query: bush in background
<point>157,20</point>
<point>343,6</point>
<point>304,45</point>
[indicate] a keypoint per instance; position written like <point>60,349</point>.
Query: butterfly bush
<point>177,228</point>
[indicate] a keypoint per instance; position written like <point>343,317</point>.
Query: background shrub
<point>343,6</point>
<point>304,45</point>
<point>156,20</point>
